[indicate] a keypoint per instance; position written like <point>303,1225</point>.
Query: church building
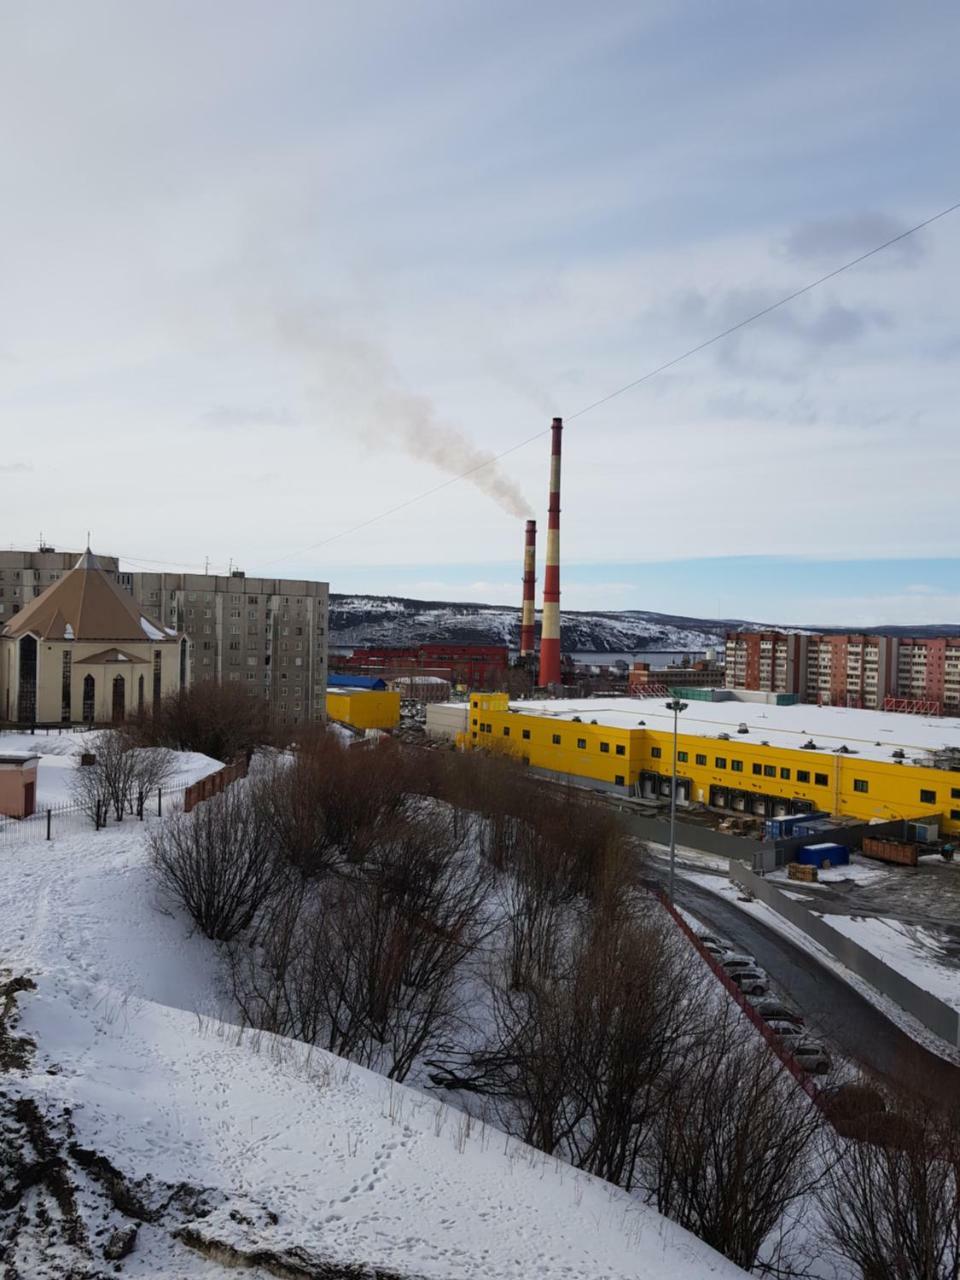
<point>84,651</point>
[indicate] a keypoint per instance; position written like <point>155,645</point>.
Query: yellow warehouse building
<point>750,757</point>
<point>364,708</point>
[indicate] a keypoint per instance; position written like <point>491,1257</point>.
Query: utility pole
<point>676,706</point>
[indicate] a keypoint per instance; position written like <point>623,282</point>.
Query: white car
<point>752,981</point>
<point>811,1056</point>
<point>786,1031</point>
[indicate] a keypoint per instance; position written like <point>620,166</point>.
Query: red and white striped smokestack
<point>550,625</point>
<point>528,612</point>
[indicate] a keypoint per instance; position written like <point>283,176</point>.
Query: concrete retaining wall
<point>934,1014</point>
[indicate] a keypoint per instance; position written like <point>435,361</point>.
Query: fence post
<point>48,823</point>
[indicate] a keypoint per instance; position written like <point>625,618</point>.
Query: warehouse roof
<point>336,681</point>
<point>876,735</point>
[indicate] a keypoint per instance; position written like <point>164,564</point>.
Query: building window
<point>803,775</point>
<point>89,699</point>
<point>736,766</point>
<point>506,731</point>
<point>928,797</point>
<point>525,733</point>
<point>581,744</point>
<point>618,780</point>
<point>701,759</point>
<point>955,815</point>
<point>656,753</point>
<point>769,770</point>
<point>605,748</point>
<point>821,779</point>
<point>66,673</point>
<point>682,757</point>
<point>119,699</point>
<point>861,785</point>
<point>620,749</point>
<point>140,696</point>
<point>955,793</point>
<point>785,775</point>
<point>720,762</point>
<point>556,739</point>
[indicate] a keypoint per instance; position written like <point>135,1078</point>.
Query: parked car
<point>734,958</point>
<point>711,940</point>
<point>770,1007</point>
<point>811,1056</point>
<point>751,981</point>
<point>786,1031</point>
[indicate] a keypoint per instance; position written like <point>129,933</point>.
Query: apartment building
<point>928,675</point>
<point>268,633</point>
<point>770,660</point>
<point>850,670</point>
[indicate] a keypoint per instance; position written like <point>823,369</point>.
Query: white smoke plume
<point>354,381</point>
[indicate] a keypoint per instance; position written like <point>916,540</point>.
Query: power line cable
<point>636,382</point>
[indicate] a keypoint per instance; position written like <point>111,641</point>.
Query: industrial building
<point>269,634</point>
<point>647,681</point>
<point>753,757</point>
<point>471,665</point>
<point>919,675</point>
<point>363,707</point>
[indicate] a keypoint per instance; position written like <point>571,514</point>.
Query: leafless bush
<point>891,1204</point>
<point>366,963</point>
<point>223,721</point>
<point>732,1142</point>
<point>124,774</point>
<point>219,861</point>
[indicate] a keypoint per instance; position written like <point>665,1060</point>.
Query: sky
<point>269,272</point>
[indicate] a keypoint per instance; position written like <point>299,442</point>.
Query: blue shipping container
<point>818,855</point>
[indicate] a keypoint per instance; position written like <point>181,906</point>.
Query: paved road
<point>831,1007</point>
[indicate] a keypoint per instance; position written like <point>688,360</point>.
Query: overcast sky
<point>269,269</point>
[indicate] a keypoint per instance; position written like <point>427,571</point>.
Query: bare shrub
<point>366,963</point>
<point>223,721</point>
<point>121,778</point>
<point>891,1203</point>
<point>732,1142</point>
<point>219,861</point>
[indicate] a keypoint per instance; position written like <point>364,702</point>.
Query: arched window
<point>119,699</point>
<point>89,699</point>
<point>140,696</point>
<point>183,663</point>
<point>27,688</point>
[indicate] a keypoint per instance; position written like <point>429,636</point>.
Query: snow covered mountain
<point>394,620</point>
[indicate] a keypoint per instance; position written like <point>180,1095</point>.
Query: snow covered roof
<point>109,655</point>
<point>86,604</point>
<point>875,735</point>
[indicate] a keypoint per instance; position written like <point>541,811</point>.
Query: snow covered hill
<point>394,620</point>
<point>167,1139</point>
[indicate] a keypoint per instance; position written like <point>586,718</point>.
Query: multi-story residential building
<point>928,675</point>
<point>849,670</point>
<point>268,633</point>
<point>770,660</point>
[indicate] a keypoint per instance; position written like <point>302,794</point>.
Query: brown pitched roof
<point>86,605</point>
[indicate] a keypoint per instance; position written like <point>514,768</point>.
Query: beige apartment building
<point>269,634</point>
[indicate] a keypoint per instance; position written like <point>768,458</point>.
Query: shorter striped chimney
<point>550,625</point>
<point>528,612</point>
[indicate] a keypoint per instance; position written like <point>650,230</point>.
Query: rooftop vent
<point>809,745</point>
<point>724,737</point>
<point>899,754</point>
<point>743,729</point>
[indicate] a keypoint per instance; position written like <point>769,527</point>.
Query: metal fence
<point>52,822</point>
<point>937,1016</point>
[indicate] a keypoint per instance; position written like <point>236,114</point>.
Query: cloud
<point>15,468</point>
<point>831,240</point>
<point>240,418</point>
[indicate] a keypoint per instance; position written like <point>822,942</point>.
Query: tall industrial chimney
<point>550,626</point>
<point>528,612</point>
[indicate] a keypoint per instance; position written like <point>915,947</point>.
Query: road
<point>830,1006</point>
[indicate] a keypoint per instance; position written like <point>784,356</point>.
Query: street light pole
<point>676,706</point>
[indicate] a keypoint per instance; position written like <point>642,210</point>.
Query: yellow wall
<point>364,708</point>
<point>893,790</point>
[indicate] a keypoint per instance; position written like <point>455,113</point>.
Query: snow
<point>909,949</point>
<point>874,735</point>
<point>305,1149</point>
<point>150,631</point>
<point>68,631</point>
<point>856,872</point>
